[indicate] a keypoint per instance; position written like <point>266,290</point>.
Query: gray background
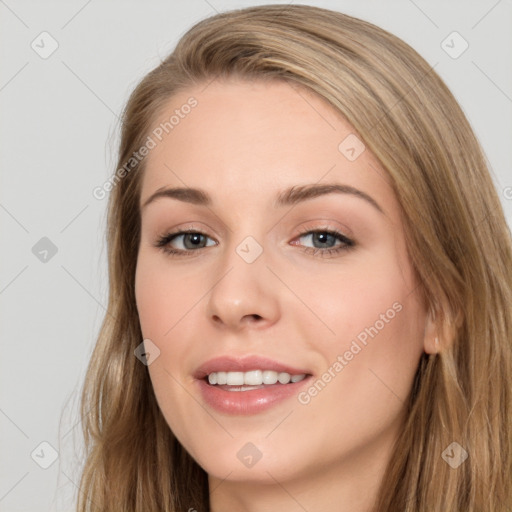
<point>59,133</point>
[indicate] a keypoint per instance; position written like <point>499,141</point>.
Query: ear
<point>440,330</point>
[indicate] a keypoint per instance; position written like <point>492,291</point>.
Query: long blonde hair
<point>458,241</point>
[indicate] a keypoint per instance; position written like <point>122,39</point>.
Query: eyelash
<point>164,241</point>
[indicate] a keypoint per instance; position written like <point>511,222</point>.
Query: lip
<point>252,401</point>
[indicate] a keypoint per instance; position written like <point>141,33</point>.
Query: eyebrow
<point>288,197</point>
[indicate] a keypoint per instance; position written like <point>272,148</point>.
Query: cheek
<point>166,305</point>
<point>346,301</point>
<point>160,307</point>
<point>370,317</point>
<point>158,303</point>
<point>149,301</point>
<point>369,365</point>
<point>382,355</point>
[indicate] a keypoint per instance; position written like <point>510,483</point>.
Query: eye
<point>323,237</point>
<point>193,240</point>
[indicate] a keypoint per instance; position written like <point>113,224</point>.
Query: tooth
<point>283,378</point>
<point>253,378</point>
<point>235,378</point>
<point>269,377</point>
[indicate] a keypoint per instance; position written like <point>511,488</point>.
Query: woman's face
<point>261,275</point>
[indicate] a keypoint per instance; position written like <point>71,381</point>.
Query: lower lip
<point>248,402</point>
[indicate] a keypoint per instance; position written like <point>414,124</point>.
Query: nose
<point>244,295</point>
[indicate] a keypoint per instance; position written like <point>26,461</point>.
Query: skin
<point>243,143</point>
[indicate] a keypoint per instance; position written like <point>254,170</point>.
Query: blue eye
<point>194,240</point>
<point>325,236</point>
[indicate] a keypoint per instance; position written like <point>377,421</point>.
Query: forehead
<point>248,140</point>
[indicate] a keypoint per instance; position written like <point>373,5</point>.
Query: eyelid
<point>191,227</point>
<point>163,242</point>
<point>327,224</point>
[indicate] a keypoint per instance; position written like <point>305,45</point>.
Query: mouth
<point>249,385</point>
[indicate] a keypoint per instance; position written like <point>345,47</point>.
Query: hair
<point>457,237</point>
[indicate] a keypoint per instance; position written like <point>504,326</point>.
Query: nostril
<point>254,317</point>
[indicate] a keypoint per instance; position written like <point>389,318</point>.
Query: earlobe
<point>440,331</point>
<point>431,343</point>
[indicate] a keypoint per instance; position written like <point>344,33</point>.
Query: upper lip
<point>244,364</point>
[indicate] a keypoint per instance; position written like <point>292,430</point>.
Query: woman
<point>310,283</point>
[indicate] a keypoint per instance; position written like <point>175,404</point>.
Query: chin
<point>259,461</point>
